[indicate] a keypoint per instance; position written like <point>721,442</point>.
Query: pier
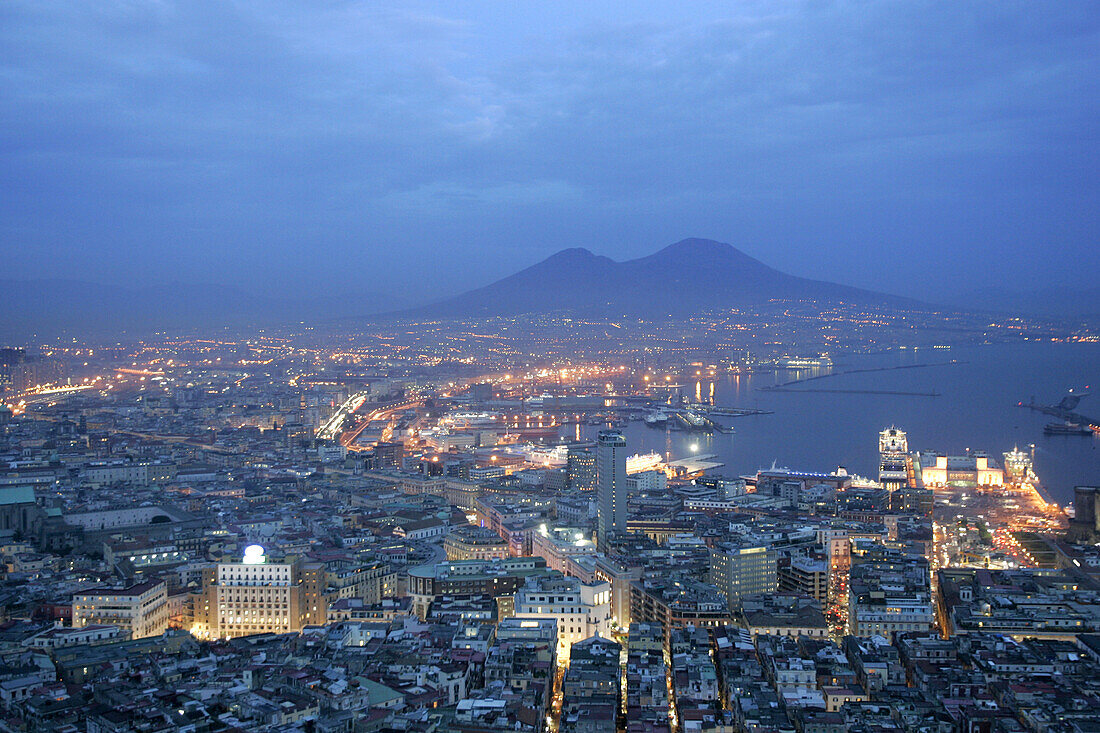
<point>1063,411</point>
<point>855,391</point>
<point>803,380</point>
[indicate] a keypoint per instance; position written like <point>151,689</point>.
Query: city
<point>571,367</point>
<point>268,534</point>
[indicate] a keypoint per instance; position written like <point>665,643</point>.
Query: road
<point>382,411</point>
<point>332,428</point>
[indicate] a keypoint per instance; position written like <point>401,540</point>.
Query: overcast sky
<point>909,146</point>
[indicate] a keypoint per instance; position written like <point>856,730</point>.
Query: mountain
<point>688,277</point>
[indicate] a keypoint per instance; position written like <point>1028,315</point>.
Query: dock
<point>696,464</point>
<point>1064,413</point>
<point>855,391</point>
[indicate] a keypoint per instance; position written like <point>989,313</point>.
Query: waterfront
<point>976,408</point>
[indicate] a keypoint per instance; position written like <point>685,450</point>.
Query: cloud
<point>222,140</point>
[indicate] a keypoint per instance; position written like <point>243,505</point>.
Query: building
<point>745,568</point>
<point>611,486</point>
<point>647,678</point>
<point>972,469</point>
<point>18,509</point>
<point>581,468</point>
<point>561,545</point>
<point>257,595</point>
<point>675,603</point>
<point>1085,525</point>
<point>493,578</point>
<point>591,687</point>
<point>889,594</point>
<point>474,543</point>
<point>141,609</point>
<point>580,609</point>
<point>783,614</point>
<point>808,576</point>
<point>654,481</point>
<point>390,456</point>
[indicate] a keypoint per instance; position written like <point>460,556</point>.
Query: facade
<point>1085,525</point>
<point>581,468</point>
<point>889,595</point>
<point>474,543</point>
<point>580,609</point>
<point>591,687</point>
<point>973,469</point>
<point>494,578</point>
<point>674,604</point>
<point>741,569</point>
<point>611,486</point>
<point>140,609</point>
<point>806,575</point>
<point>256,596</point>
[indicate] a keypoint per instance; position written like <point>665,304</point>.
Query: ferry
<point>804,362</point>
<point>643,462</point>
<point>657,418</point>
<point>1066,428</point>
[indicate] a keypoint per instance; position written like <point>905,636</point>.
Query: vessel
<point>1066,428</point>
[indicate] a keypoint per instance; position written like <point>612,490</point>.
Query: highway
<point>348,439</point>
<point>332,428</point>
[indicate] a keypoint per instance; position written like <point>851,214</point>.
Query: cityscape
<point>451,526</point>
<point>578,367</point>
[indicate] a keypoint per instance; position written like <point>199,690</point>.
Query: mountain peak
<point>571,254</point>
<point>697,246</point>
<point>689,277</point>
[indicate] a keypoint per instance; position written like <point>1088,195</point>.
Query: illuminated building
<point>256,596</point>
<point>559,545</point>
<point>888,594</point>
<point>611,490</point>
<point>140,609</point>
<point>741,569</point>
<point>474,543</point>
<point>972,469</point>
<point>580,609</point>
<point>581,467</point>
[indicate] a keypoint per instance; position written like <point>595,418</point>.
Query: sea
<point>977,406</point>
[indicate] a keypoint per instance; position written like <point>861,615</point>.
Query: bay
<point>977,408</point>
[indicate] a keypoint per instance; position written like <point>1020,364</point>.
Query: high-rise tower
<point>610,485</point>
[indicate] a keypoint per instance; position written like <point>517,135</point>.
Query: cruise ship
<point>644,462</point>
<point>804,362</point>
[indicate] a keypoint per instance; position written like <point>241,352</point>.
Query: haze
<point>421,149</point>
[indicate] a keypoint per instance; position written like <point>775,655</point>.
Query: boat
<point>656,418</point>
<point>1066,428</point>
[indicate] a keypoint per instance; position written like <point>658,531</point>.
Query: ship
<point>804,362</point>
<point>657,418</point>
<point>643,462</point>
<point>1066,428</point>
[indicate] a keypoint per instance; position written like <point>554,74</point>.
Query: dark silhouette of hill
<point>691,276</point>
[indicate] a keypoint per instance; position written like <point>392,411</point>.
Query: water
<point>977,409</point>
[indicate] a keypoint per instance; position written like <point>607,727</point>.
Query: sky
<point>423,148</point>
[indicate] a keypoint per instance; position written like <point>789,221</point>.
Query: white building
<point>140,609</point>
<point>580,609</point>
<point>255,596</point>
